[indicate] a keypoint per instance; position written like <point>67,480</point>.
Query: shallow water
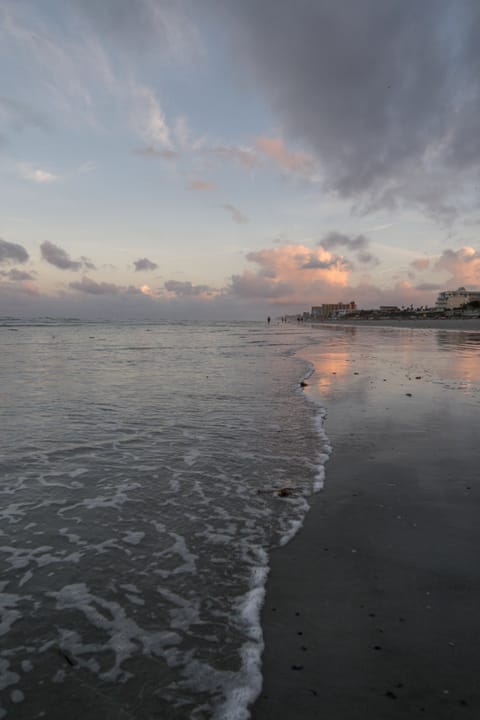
<point>140,468</point>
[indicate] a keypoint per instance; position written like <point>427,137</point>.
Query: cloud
<point>12,252</point>
<point>150,119</point>
<point>236,215</point>
<point>463,265</point>
<point>384,95</point>
<point>59,257</point>
<point>420,264</point>
<point>293,274</point>
<point>143,26</point>
<point>357,244</point>
<point>275,149</point>
<point>336,239</point>
<point>17,275</point>
<point>37,175</point>
<point>186,289</point>
<point>201,185</point>
<point>144,264</point>
<point>315,263</point>
<point>367,258</point>
<point>90,287</point>
<point>245,157</point>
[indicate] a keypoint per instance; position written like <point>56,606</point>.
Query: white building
<point>451,299</point>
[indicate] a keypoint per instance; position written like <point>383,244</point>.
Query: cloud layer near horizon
<point>278,279</point>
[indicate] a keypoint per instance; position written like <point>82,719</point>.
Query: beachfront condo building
<point>451,299</point>
<point>332,310</point>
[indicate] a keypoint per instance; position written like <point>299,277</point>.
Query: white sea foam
<point>17,696</point>
<point>184,613</point>
<point>77,472</point>
<point>240,692</point>
<point>133,538</point>
<point>9,613</point>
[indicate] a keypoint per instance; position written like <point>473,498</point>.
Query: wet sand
<point>470,324</point>
<point>372,611</point>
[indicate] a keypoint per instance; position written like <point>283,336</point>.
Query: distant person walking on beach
<point>268,320</point>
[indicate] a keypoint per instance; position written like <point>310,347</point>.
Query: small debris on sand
<point>67,658</point>
<point>285,492</point>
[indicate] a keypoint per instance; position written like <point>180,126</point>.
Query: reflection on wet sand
<point>462,353</point>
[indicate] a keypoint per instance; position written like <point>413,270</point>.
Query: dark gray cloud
<point>357,244</point>
<point>367,258</point>
<point>86,285</point>
<point>314,263</point>
<point>59,257</point>
<point>17,275</point>
<point>336,239</point>
<point>236,214</point>
<point>185,288</point>
<point>144,264</point>
<point>12,252</point>
<point>385,94</point>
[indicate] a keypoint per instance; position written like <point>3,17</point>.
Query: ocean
<point>140,470</point>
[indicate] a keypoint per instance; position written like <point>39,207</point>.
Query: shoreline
<point>372,609</point>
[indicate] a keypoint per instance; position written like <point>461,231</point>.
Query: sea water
<point>140,469</point>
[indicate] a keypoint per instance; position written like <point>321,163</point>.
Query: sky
<point>224,160</point>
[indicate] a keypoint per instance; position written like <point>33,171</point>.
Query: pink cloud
<point>275,149</point>
<point>463,265</point>
<point>420,264</point>
<point>293,274</point>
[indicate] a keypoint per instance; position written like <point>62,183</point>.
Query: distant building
<point>332,310</point>
<point>389,309</point>
<point>451,299</point>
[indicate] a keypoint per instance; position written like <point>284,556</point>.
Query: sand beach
<point>372,609</point>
